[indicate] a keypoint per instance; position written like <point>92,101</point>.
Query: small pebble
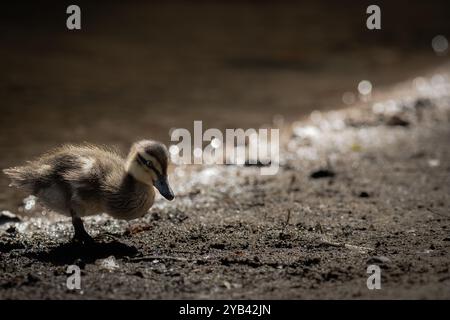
<point>322,173</point>
<point>433,163</point>
<point>397,121</point>
<point>363,194</point>
<point>7,216</point>
<point>109,263</point>
<point>379,259</point>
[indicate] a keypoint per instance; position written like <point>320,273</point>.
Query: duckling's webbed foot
<point>81,234</point>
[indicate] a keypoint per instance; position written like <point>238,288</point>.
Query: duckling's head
<point>147,162</point>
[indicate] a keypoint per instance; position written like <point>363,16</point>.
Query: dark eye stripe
<point>159,157</point>
<point>148,164</point>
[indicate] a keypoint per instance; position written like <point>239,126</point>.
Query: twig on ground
<point>163,257</point>
<point>361,249</point>
<point>286,223</point>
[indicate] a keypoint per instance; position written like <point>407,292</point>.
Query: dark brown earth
<point>365,185</point>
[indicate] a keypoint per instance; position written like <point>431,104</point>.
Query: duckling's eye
<point>150,165</point>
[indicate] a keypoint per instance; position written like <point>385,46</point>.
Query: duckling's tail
<point>19,176</point>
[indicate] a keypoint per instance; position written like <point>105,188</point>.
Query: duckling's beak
<point>162,184</point>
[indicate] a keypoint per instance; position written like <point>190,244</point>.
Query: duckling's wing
<point>93,169</point>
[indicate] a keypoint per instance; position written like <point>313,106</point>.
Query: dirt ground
<point>366,185</point>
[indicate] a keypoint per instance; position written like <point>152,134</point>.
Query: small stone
<point>363,194</point>
<point>422,103</point>
<point>322,173</point>
<point>109,263</point>
<point>177,216</point>
<point>31,278</point>
<point>80,263</point>
<point>137,228</point>
<point>397,121</point>
<point>7,216</point>
<point>156,216</point>
<point>218,245</point>
<point>11,230</point>
<point>227,285</point>
<point>139,274</point>
<point>378,259</point>
<point>434,163</point>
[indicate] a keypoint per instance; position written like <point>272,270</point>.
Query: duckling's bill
<point>162,184</point>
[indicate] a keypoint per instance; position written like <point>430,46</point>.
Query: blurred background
<point>139,68</point>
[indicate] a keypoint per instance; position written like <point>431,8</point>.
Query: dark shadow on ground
<point>71,252</point>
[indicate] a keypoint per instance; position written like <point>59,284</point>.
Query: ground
<point>367,185</point>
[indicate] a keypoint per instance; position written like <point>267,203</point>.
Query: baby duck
<point>83,180</point>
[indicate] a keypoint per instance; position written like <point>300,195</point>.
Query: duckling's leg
<point>81,234</point>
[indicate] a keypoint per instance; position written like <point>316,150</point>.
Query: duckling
<point>84,180</point>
